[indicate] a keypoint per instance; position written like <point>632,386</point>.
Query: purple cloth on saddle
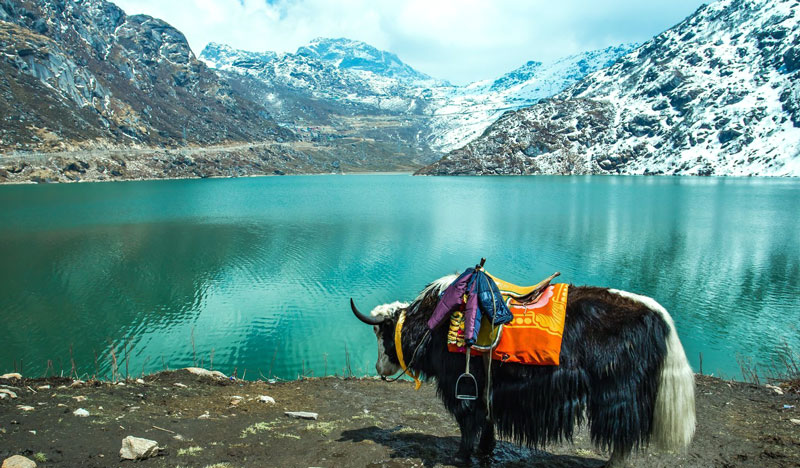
<point>451,300</point>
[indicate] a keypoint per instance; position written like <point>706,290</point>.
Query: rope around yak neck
<point>399,349</point>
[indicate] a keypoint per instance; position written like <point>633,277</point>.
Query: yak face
<point>387,363</point>
<point>383,320</point>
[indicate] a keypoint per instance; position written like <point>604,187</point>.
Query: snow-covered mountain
<point>461,114</point>
<point>360,56</point>
<point>225,57</point>
<point>718,94</point>
<point>325,76</point>
<point>343,72</point>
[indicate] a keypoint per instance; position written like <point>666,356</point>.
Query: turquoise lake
<point>255,274</point>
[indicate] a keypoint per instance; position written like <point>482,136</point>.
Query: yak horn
<point>365,318</point>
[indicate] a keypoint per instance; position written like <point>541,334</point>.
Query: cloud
<point>459,40</point>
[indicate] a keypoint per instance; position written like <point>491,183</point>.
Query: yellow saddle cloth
<point>534,336</point>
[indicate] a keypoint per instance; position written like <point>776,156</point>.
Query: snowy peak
<point>357,55</point>
<point>520,75</point>
<point>718,94</point>
<point>559,74</point>
<point>463,113</point>
<point>224,57</point>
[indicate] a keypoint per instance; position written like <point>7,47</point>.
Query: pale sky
<point>457,40</point>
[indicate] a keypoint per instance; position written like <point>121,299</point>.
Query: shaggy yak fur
<point>623,372</point>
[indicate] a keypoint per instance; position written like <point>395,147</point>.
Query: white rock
<point>204,416</point>
<point>11,376</point>
<point>80,412</point>
<point>77,383</point>
<point>24,408</point>
<point>301,414</point>
<point>206,372</point>
<point>266,399</point>
<point>135,448</point>
<point>18,461</point>
<point>235,400</point>
<point>795,421</point>
<point>79,398</point>
<point>140,381</point>
<point>3,396</point>
<point>775,389</point>
<point>179,385</point>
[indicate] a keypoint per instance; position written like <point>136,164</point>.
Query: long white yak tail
<point>674,413</point>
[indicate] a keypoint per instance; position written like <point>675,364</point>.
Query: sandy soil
<point>362,423</point>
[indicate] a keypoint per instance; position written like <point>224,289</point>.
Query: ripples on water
<point>259,271</point>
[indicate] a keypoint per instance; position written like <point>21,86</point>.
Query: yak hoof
<point>486,449</point>
<point>616,461</point>
<point>463,458</point>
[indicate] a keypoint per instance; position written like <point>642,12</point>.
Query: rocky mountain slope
<point>717,94</point>
<point>331,77</point>
<point>326,103</point>
<point>86,75</point>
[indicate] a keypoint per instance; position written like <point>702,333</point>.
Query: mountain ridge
<point>455,113</point>
<point>717,94</point>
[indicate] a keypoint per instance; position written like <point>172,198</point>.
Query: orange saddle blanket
<point>534,336</point>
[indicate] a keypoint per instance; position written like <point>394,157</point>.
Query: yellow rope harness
<point>398,346</point>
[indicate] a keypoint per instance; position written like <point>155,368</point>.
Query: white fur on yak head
<point>383,319</point>
<point>389,313</point>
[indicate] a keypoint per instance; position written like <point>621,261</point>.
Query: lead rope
<point>413,356</point>
<point>488,361</point>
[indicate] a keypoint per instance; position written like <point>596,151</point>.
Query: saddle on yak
<point>532,337</point>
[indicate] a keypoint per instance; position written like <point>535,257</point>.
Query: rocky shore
<point>137,164</point>
<point>181,419</point>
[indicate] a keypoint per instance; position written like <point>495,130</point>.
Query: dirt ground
<point>362,423</point>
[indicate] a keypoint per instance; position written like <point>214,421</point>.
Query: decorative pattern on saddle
<point>533,337</point>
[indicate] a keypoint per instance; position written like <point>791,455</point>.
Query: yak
<point>622,371</point>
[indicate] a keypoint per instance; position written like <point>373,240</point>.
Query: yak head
<point>383,320</point>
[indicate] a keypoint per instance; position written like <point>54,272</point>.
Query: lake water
<point>255,274</point>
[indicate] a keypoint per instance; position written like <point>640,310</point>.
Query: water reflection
<point>257,272</point>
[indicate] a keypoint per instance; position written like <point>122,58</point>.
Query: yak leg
<point>487,442</point>
<point>617,460</point>
<point>469,418</point>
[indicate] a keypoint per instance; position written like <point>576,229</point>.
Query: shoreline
<point>203,420</point>
<point>261,159</point>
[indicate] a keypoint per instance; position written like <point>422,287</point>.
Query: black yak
<point>622,371</point>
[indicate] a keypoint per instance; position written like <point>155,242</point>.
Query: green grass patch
<point>190,451</point>
<point>323,428</point>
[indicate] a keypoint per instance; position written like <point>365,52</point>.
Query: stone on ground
<point>301,414</point>
<point>266,399</point>
<point>11,376</point>
<point>81,412</point>
<point>136,448</point>
<point>18,461</point>
<point>206,372</point>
